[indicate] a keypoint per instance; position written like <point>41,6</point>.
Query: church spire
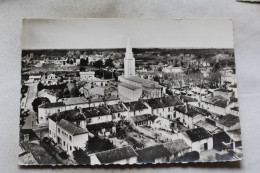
<point>129,61</point>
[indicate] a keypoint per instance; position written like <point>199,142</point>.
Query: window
<point>169,109</point>
<point>63,143</point>
<point>70,148</point>
<point>50,132</point>
<point>59,130</point>
<point>70,138</point>
<point>41,118</point>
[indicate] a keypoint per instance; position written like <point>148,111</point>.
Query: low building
<point>189,115</point>
<point>208,126</point>
<point>228,122</point>
<point>125,155</point>
<point>177,148</point>
<point>199,139</point>
<point>71,136</point>
<point>137,108</point>
<point>46,110</point>
<point>153,154</point>
<point>118,111</point>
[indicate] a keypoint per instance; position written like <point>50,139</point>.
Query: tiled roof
<point>129,86</point>
<point>209,127</point>
<point>145,82</point>
<point>217,101</point>
<point>69,115</point>
<point>176,146</point>
<point>197,134</point>
<point>155,103</point>
<point>188,99</point>
<point>140,118</point>
<point>235,134</point>
<point>51,105</point>
<point>148,154</point>
<point>192,111</point>
<point>75,100</point>
<point>117,108</point>
<point>117,154</point>
<point>71,128</point>
<point>134,106</point>
<point>96,111</point>
<point>229,120</point>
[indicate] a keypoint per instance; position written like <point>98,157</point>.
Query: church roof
<point>145,82</point>
<point>129,86</point>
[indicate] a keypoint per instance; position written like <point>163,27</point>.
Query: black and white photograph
<point>128,91</point>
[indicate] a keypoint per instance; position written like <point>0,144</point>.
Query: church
<point>131,86</point>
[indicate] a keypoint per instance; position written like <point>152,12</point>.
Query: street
<point>30,120</point>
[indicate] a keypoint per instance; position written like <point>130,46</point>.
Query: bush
<point>64,155</point>
<point>46,140</point>
<point>189,157</point>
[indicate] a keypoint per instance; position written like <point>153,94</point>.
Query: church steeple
<point>129,61</point>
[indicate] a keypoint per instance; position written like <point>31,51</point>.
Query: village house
<point>137,108</point>
<point>124,155</point>
<point>48,94</point>
<point>199,139</point>
<point>163,123</point>
<point>49,79</point>
<point>177,148</point>
<point>209,127</point>
<point>118,111</point>
<point>189,115</point>
<point>47,109</point>
<point>33,79</point>
<point>71,136</point>
<point>164,107</point>
<point>228,122</point>
<point>96,115</point>
<point>153,154</point>
<point>225,93</point>
<point>143,120</point>
<point>217,104</point>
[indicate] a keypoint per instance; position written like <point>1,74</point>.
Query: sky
<point>113,33</point>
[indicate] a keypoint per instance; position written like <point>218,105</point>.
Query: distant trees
<point>98,64</point>
<point>109,63</point>
<point>38,101</point>
<point>84,62</point>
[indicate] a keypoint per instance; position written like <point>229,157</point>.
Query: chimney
<point>186,107</point>
<point>80,110</point>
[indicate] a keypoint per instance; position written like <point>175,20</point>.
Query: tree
<point>98,64</point>
<point>80,156</point>
<point>38,101</point>
<point>97,144</point>
<point>109,63</point>
<point>40,86</point>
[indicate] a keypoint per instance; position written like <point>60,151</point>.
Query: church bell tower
<point>129,61</point>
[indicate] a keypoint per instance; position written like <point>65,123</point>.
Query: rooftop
<point>139,118</point>
<point>197,134</point>
<point>145,82</point>
<point>192,111</point>
<point>51,105</point>
<point>69,115</point>
<point>117,154</point>
<point>217,101</point>
<point>209,127</point>
<point>148,154</point>
<point>229,120</point>
<point>235,134</point>
<point>129,86</point>
<point>137,105</point>
<point>75,100</point>
<point>71,128</point>
<point>176,146</point>
<point>117,108</point>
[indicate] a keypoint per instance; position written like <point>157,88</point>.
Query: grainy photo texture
<point>127,91</point>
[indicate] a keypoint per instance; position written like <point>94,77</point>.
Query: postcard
<point>128,91</point>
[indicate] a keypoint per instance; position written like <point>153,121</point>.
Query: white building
<point>171,69</point>
<point>199,139</point>
<point>68,135</point>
